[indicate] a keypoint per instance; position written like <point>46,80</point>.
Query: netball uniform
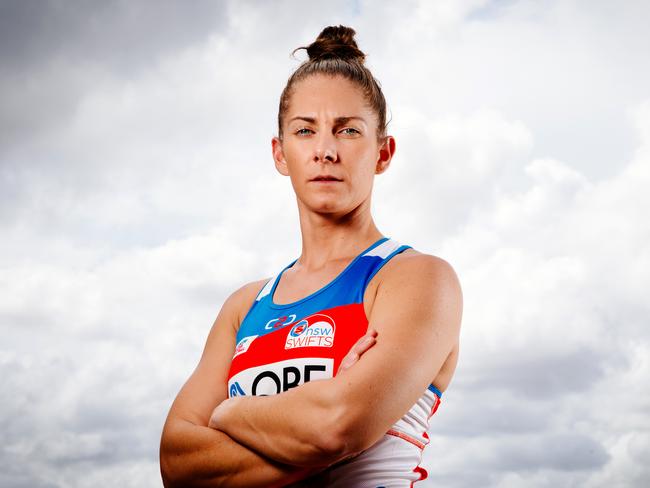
<point>282,346</point>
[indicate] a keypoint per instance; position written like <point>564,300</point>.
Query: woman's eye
<point>301,131</point>
<point>355,131</point>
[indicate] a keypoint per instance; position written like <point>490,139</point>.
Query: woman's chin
<point>330,205</point>
<point>323,203</point>
<point>327,208</point>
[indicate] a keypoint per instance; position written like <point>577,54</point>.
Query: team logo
<point>299,329</point>
<point>243,345</point>
<point>314,331</point>
<point>280,322</point>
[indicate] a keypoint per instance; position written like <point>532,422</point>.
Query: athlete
<point>328,373</point>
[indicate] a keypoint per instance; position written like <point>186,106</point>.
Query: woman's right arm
<point>194,455</point>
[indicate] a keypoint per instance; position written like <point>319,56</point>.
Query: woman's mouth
<point>326,179</point>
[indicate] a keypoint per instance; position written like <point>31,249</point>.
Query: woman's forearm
<point>298,426</point>
<point>196,456</point>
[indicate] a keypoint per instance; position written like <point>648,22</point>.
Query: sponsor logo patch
<point>274,378</point>
<point>236,390</point>
<point>314,331</point>
<point>243,345</point>
<point>280,322</point>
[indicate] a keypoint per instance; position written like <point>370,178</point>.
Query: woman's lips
<point>326,180</point>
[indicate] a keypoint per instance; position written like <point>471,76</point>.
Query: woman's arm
<point>193,455</point>
<point>197,456</point>
<point>417,314</point>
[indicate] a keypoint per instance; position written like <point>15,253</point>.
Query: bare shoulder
<point>419,267</point>
<point>226,325</point>
<point>241,300</point>
<point>425,281</point>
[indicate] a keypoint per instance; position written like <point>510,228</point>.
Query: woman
<point>380,314</point>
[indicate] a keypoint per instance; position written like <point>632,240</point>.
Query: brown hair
<point>335,53</point>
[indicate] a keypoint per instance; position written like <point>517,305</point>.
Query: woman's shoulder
<point>428,279</point>
<point>418,265</point>
<point>242,298</point>
<point>414,257</point>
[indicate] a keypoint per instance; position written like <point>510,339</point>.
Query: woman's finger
<point>356,351</point>
<point>365,343</point>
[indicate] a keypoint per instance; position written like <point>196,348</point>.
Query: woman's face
<point>328,130</point>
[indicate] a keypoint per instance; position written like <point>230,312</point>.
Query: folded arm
<point>193,455</point>
<point>197,456</point>
<point>417,314</point>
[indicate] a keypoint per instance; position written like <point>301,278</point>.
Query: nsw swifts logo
<point>314,331</point>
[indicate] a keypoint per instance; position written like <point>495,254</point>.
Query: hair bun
<point>335,42</point>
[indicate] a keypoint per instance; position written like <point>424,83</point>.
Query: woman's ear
<point>278,156</point>
<point>386,152</point>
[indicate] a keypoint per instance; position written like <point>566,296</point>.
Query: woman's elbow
<point>175,474</point>
<point>169,476</point>
<point>328,446</point>
<point>169,471</point>
<point>171,465</point>
<point>179,467</point>
<point>339,438</point>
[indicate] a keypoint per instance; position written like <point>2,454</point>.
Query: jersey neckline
<point>272,304</point>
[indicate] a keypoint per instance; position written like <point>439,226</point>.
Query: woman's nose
<point>325,149</point>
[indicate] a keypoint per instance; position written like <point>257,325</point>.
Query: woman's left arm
<point>417,313</point>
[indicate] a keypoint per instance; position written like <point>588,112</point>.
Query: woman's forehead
<point>321,96</point>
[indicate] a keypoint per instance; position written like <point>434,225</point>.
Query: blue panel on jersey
<point>348,287</point>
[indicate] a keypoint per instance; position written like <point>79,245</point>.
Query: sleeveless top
<point>281,346</point>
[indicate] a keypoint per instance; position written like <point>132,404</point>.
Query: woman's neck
<point>325,239</point>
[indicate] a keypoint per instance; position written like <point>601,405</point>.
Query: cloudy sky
<point>137,190</point>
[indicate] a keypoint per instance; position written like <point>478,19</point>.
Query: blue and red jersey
<point>281,346</point>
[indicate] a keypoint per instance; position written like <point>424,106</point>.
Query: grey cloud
<point>13,475</point>
<point>57,417</point>
<point>563,452</point>
<point>538,374</point>
<point>121,35</point>
<point>515,393</point>
<point>52,53</point>
<point>490,411</point>
<point>545,459</point>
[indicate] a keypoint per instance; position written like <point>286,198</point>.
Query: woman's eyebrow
<point>337,120</point>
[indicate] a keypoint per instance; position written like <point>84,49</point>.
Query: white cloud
<point>555,315</point>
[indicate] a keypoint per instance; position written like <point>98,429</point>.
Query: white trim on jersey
<point>267,288</point>
<point>384,249</point>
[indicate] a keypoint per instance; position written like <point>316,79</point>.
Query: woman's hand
<point>364,343</point>
<point>221,411</point>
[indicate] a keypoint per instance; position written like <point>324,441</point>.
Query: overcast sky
<point>137,190</point>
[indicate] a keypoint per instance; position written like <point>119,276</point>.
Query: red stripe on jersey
<point>407,438</point>
<point>349,322</point>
